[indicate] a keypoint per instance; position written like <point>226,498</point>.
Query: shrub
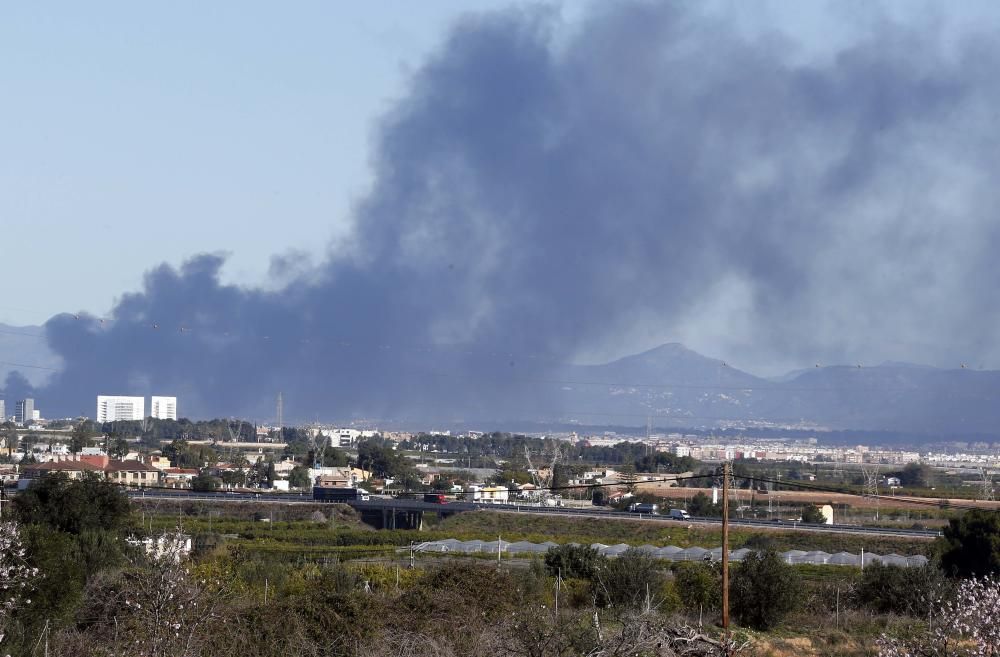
<point>972,544</point>
<point>72,506</point>
<point>631,581</point>
<point>764,589</point>
<point>699,585</point>
<point>892,589</point>
<point>573,561</point>
<point>812,514</point>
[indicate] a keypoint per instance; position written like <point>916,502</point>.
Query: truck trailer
<point>331,494</point>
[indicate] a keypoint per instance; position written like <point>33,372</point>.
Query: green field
<point>313,531</point>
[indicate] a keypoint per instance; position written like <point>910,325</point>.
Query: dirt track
<point>836,499</point>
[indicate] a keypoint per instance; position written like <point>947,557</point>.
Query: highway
<point>404,504</point>
<point>741,522</point>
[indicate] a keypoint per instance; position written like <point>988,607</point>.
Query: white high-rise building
<point>163,408</point>
<point>118,409</point>
<point>25,411</point>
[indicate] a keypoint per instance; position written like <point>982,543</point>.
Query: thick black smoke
<point>657,175</point>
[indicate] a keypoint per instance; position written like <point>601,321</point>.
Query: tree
<point>158,604</point>
<point>664,462</point>
<point>118,448</point>
<point>573,561</point>
<point>234,477</point>
<point>382,460</point>
<point>16,576</point>
<point>628,478</point>
<point>560,476</point>
<point>299,477</point>
<point>204,483</point>
<point>965,626</point>
<point>508,475</point>
<point>699,585</point>
<point>764,589</point>
<point>184,455</point>
<point>58,588</point>
<point>633,580</point>
<point>893,589</point>
<point>72,506</point>
<point>812,514</point>
<point>701,505</point>
<point>81,436</point>
<point>8,435</point>
<point>334,458</point>
<point>972,544</point>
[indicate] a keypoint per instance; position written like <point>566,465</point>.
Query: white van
<point>679,514</point>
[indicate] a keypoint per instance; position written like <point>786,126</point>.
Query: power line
<point>22,333</point>
<point>935,502</point>
<point>33,367</point>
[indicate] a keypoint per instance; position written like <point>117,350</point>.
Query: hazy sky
<point>315,188</point>
<point>134,133</point>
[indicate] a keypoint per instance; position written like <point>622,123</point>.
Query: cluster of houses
<point>153,471</point>
<point>157,471</point>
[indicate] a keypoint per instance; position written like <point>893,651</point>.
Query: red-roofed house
<point>72,469</point>
<point>128,473</point>
<point>132,473</point>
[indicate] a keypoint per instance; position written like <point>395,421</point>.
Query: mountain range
<point>670,385</point>
<point>676,386</point>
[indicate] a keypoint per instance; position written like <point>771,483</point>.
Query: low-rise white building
<point>487,494</point>
<point>342,437</point>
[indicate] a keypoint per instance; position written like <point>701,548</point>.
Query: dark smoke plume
<point>655,176</point>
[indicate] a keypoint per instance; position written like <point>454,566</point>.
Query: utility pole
<point>725,547</point>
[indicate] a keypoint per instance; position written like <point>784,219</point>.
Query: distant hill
<point>896,396</point>
<point>676,386</point>
<point>670,382</point>
<point>24,345</point>
<point>670,385</point>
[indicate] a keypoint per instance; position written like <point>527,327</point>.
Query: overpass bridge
<point>403,513</point>
<point>379,512</point>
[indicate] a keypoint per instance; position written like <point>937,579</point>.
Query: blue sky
<point>136,133</point>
